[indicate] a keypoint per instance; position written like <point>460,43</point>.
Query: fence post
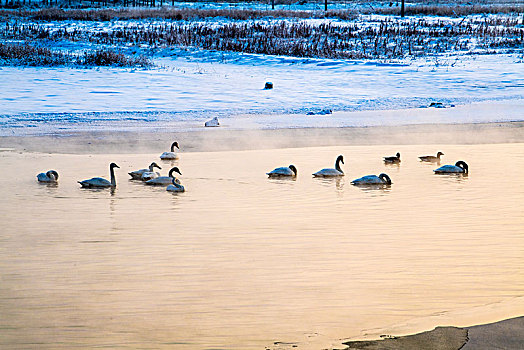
<point>402,9</point>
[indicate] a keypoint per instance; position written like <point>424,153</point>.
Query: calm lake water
<point>240,262</point>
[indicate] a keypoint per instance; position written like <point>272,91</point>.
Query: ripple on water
<point>240,260</point>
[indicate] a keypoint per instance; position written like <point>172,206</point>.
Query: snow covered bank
<point>191,89</point>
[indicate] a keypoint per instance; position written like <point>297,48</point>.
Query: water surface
<point>240,262</point>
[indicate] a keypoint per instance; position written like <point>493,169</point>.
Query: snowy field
<point>189,85</point>
<point>189,90</point>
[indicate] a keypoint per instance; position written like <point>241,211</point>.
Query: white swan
<point>212,123</point>
<point>283,171</point>
<point>50,176</point>
<point>382,179</point>
<point>330,172</point>
<point>137,174</point>
<point>170,155</point>
<point>392,160</point>
<point>164,180</point>
<point>431,159</point>
<point>148,175</point>
<point>460,167</point>
<point>176,186</point>
<point>98,182</point>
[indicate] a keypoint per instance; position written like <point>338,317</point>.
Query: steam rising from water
<point>226,139</point>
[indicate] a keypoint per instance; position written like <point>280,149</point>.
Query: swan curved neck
<point>385,178</point>
<point>463,165</point>
<point>113,179</point>
<point>52,175</point>
<point>337,165</point>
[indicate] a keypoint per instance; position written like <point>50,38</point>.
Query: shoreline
<point>504,334</point>
<point>226,139</point>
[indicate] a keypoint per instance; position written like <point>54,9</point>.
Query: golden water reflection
<point>239,261</point>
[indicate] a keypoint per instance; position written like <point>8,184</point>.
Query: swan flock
<point>149,177</point>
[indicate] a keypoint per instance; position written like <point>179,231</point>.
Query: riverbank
<point>506,334</point>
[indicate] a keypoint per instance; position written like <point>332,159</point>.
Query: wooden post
<point>325,5</point>
<point>402,9</point>
<point>272,4</point>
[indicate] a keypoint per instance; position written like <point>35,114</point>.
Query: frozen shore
<point>506,334</point>
<point>190,90</point>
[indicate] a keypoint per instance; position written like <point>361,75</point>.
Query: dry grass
<point>390,38</point>
<point>105,57</point>
<point>107,14</point>
<point>24,54</point>
<point>451,10</point>
<point>179,14</point>
<point>29,55</point>
<point>385,40</point>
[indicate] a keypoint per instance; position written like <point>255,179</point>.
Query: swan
<point>431,159</point>
<point>176,186</point>
<point>137,174</point>
<point>283,171</point>
<point>148,175</point>
<point>392,160</point>
<point>50,176</point>
<point>382,179</point>
<point>212,123</point>
<point>98,182</point>
<point>330,172</point>
<point>164,180</point>
<point>460,167</point>
<point>170,155</point>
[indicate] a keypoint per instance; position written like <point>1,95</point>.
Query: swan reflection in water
<point>330,181</point>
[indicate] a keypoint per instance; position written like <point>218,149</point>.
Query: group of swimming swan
<point>382,179</point>
<point>150,177</point>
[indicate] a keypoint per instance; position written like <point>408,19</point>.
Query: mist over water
<point>239,261</point>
